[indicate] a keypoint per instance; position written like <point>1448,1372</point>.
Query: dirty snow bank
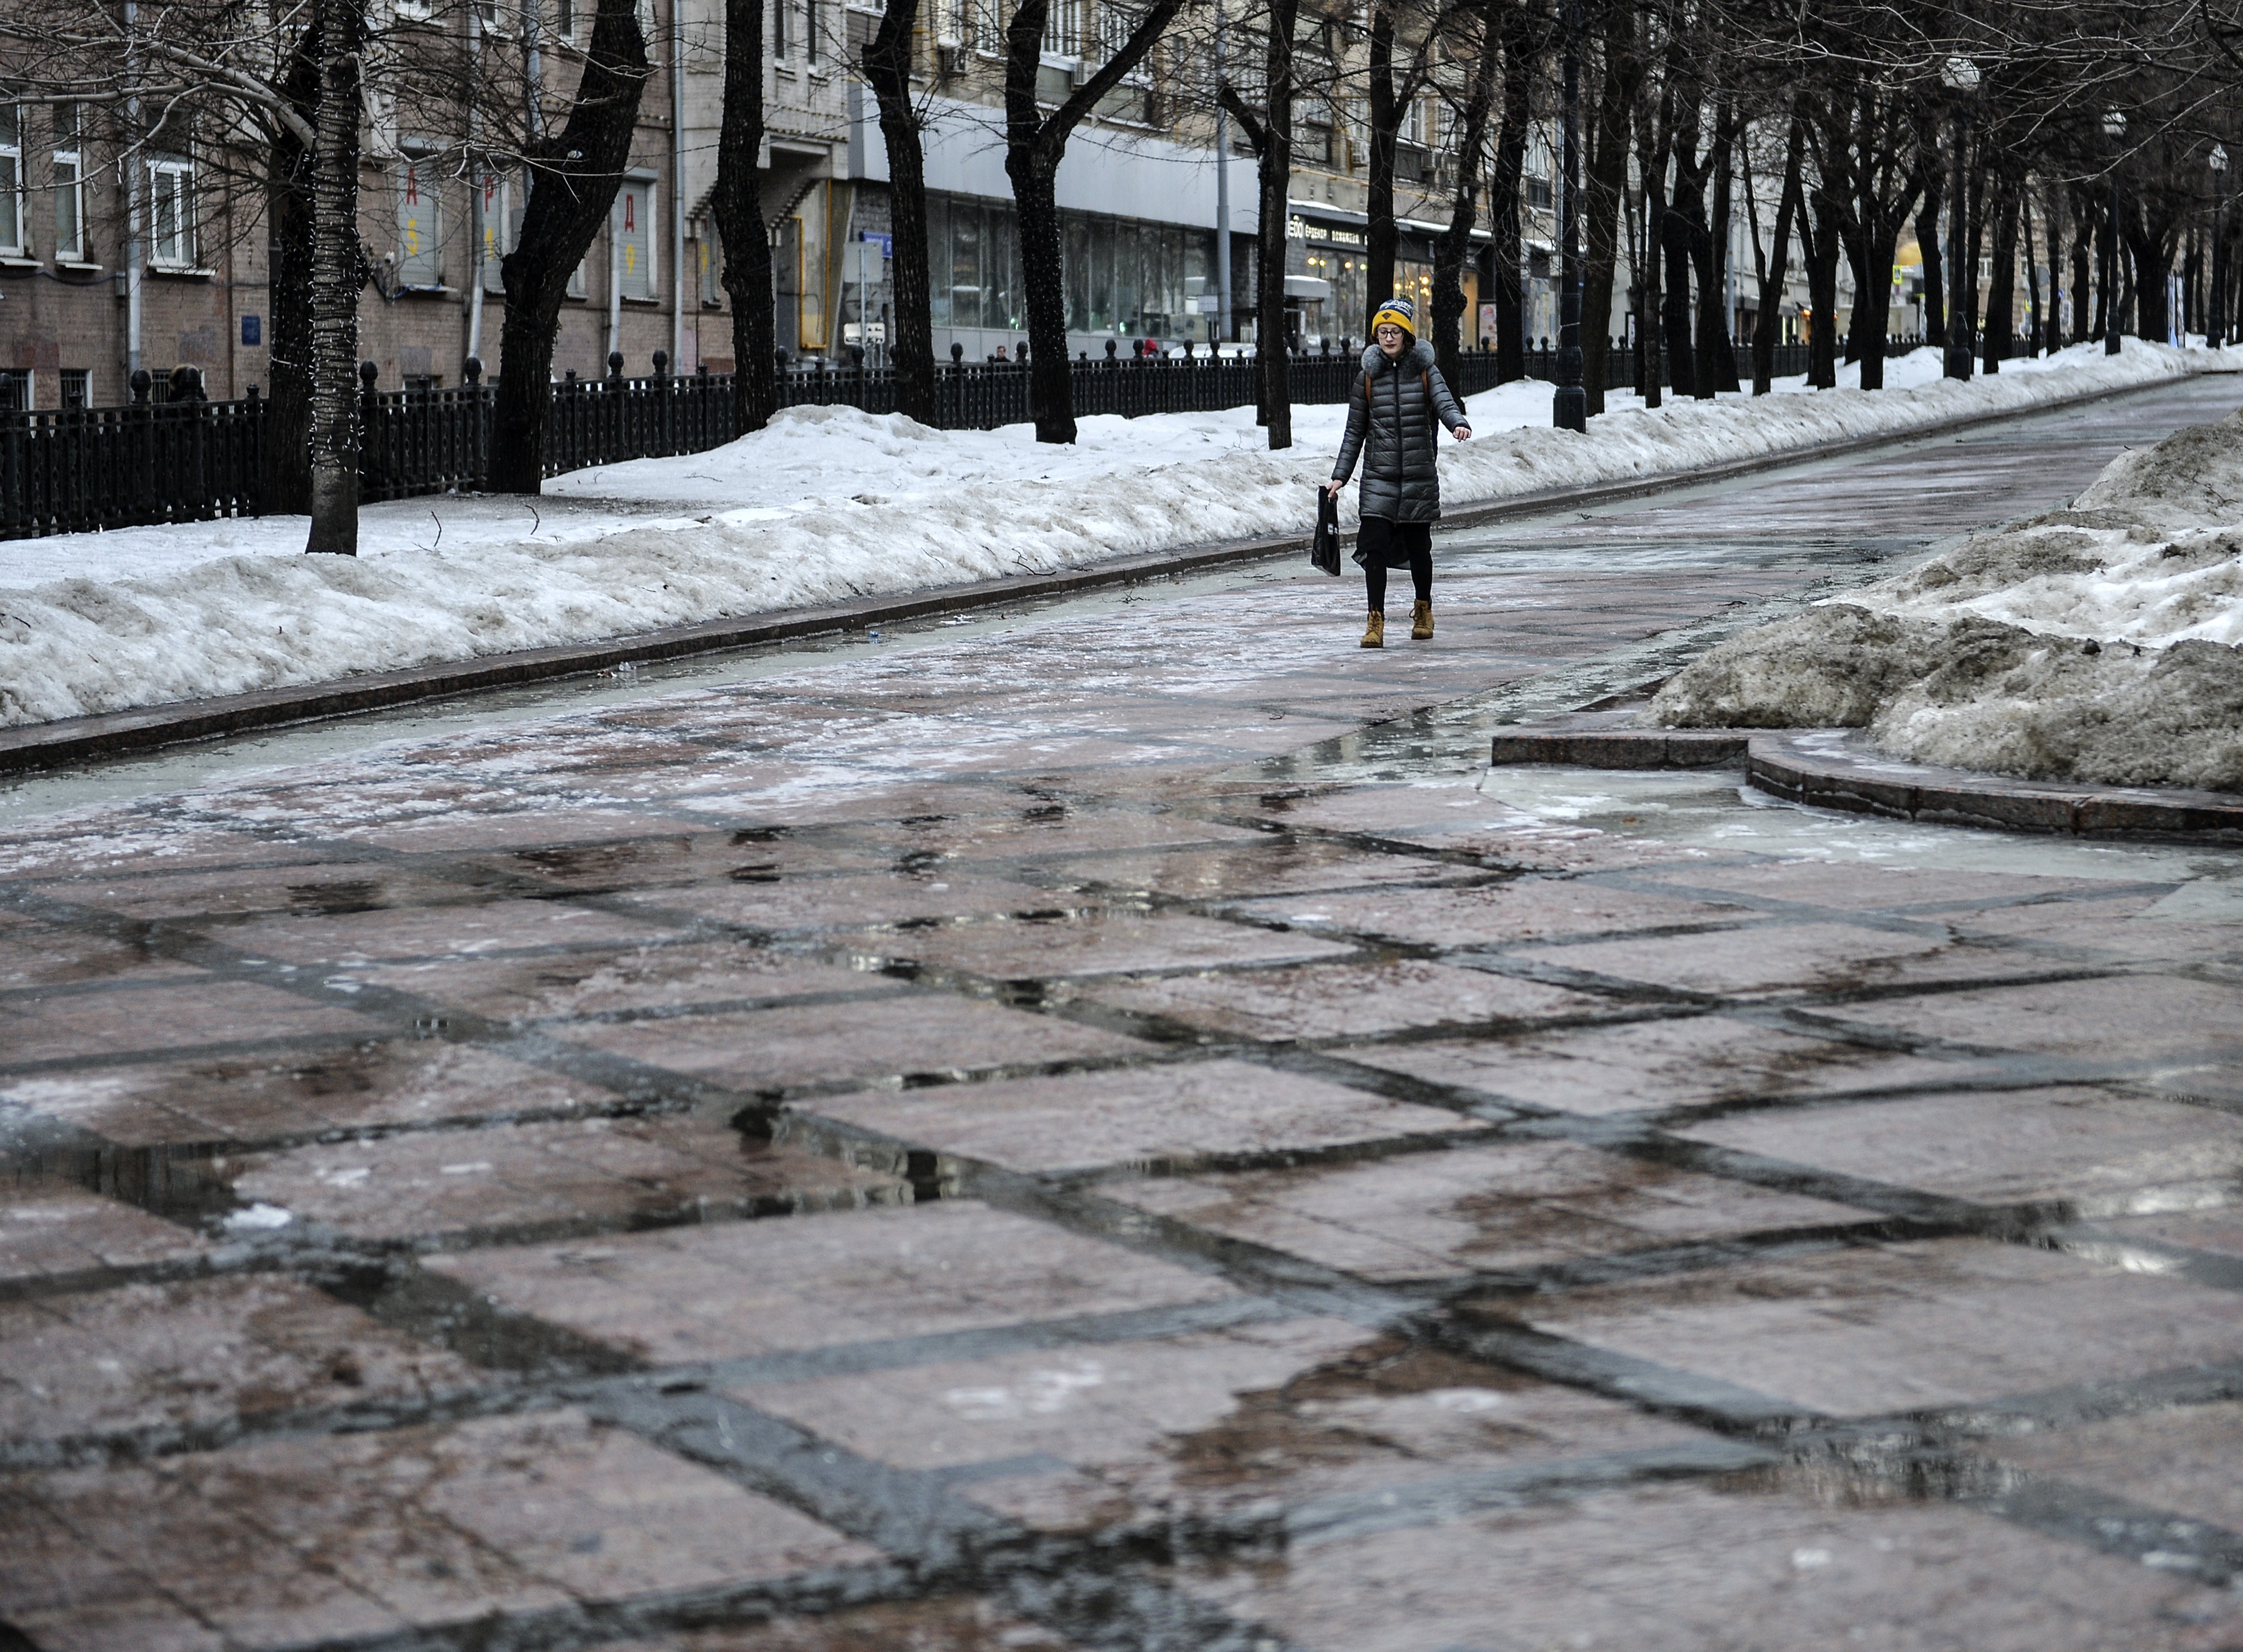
<point>828,505</point>
<point>2100,643</point>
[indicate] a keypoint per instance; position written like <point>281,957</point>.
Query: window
<point>12,179</point>
<point>70,185</point>
<point>420,231</point>
<point>501,223</point>
<point>172,212</point>
<point>77,387</point>
<point>809,31</point>
<point>634,242</point>
<point>713,289</point>
<point>14,390</point>
<point>779,29</point>
<point>564,18</point>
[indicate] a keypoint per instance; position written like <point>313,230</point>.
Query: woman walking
<point>1390,424</point>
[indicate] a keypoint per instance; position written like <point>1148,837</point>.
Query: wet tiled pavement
<point>1105,1128</point>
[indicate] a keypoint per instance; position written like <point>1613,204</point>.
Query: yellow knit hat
<point>1398,311</point>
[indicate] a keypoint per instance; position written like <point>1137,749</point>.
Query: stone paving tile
<point>470,831</point>
<point>847,901</point>
<point>2182,1461</point>
<point>1208,1425</point>
<point>49,1230</point>
<point>296,1541</point>
<point>139,844</point>
<point>1679,1062</point>
<point>637,978</point>
<point>1096,943</point>
<point>1042,826</point>
<point>2109,1153</point>
<point>595,1174</point>
<point>151,1355</point>
<point>1904,1327</point>
<point>312,888</point>
<point>683,858</point>
<point>1690,1568</point>
<point>1529,909</point>
<point>123,1020</point>
<point>1455,816</point>
<point>2121,930</point>
<point>2183,1035</point>
<point>1271,867</point>
<point>736,1289</point>
<point>1489,1207</point>
<point>956,1623</point>
<point>1166,1115</point>
<point>344,1086</point>
<point>906,1036</point>
<point>1334,1000</point>
<point>1781,959</point>
<point>1855,886</point>
<point>461,928</point>
<point>36,954</point>
<point>2218,1230</point>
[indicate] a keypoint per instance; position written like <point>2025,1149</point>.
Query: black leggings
<point>1381,538</point>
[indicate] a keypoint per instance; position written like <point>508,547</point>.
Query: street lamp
<point>2215,325</point>
<point>1569,408</point>
<point>1960,76</point>
<point>2114,129</point>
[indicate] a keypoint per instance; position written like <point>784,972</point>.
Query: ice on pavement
<point>2100,643</point>
<point>829,503</point>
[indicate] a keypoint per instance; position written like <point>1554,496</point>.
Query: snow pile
<point>2101,643</point>
<point>828,505</point>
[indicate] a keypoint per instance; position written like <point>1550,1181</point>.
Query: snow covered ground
<point>826,504</point>
<point>2101,643</point>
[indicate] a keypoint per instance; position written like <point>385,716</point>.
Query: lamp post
<point>1569,408</point>
<point>2114,129</point>
<point>2215,324</point>
<point>1960,76</point>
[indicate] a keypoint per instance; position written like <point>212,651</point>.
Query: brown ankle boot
<point>1374,635</point>
<point>1421,622</point>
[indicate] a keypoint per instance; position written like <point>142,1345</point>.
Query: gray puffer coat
<point>1390,423</point>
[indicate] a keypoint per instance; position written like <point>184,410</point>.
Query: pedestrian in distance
<point>1389,425</point>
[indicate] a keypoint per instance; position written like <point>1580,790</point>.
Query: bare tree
<point>1269,133</point>
<point>887,67</point>
<point>738,204</point>
<point>574,180</point>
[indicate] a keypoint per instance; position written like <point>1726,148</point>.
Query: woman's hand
<point>1333,487</point>
<point>1462,433</point>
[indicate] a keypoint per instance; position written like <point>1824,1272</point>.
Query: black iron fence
<point>74,470</point>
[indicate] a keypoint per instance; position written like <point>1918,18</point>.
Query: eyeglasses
<point>1390,331</point>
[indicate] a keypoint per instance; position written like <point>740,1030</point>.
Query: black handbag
<point>1323,549</point>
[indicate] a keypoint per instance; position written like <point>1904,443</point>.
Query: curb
<point>1838,769</point>
<point>112,734</point>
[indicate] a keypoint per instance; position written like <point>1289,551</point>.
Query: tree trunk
<point>2150,243</point>
<point>1273,174</point>
<point>1823,292</point>
<point>285,486</point>
<point>1779,264</point>
<point>1380,235</point>
<point>2052,331</point>
<point>2001,292</point>
<point>1963,270</point>
<point>1455,245</point>
<point>738,207</point>
<point>2086,318</point>
<point>338,270</point>
<point>573,183</point>
<point>1649,317</point>
<point>1973,245</point>
<point>1034,144</point>
<point>1608,183</point>
<point>911,347</point>
<point>1503,198</point>
<point>1927,240</point>
<point>1717,354</point>
<point>2035,334</point>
